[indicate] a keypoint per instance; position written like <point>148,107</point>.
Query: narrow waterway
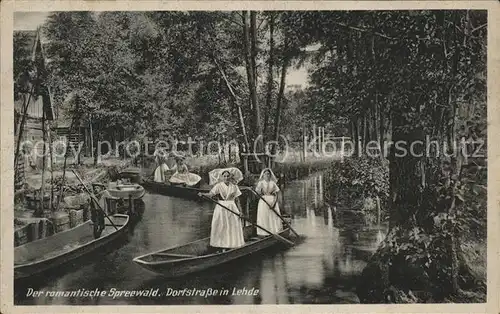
<point>322,269</point>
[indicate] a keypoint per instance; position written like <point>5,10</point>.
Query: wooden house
<point>38,107</point>
<point>33,108</point>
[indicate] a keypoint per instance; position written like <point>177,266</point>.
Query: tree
<point>412,73</point>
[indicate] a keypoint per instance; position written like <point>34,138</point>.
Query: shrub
<point>351,182</point>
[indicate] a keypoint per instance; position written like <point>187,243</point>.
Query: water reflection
<point>320,270</point>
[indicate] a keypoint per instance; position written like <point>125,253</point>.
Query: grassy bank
<point>288,170</point>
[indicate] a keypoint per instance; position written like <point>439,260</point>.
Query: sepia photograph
<point>249,157</point>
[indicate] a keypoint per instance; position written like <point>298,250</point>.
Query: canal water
<point>323,269</point>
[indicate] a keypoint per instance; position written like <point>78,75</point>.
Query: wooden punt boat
<point>46,254</point>
<point>169,189</point>
<point>193,257</point>
<point>126,191</point>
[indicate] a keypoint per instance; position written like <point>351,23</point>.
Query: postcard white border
<point>7,142</point>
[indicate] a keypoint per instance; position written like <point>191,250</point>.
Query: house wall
<point>35,108</point>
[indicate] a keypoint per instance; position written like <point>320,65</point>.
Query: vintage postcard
<point>249,156</point>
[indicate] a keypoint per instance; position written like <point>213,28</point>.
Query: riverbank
<point>414,263</point>
<point>70,204</point>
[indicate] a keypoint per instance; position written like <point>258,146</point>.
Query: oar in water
<point>277,236</point>
<point>274,211</point>
<point>94,198</point>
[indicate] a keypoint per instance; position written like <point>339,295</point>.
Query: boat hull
<point>173,190</point>
<point>133,192</point>
<point>38,267</point>
<point>182,267</point>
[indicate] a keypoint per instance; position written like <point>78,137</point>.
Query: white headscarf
<point>216,175</point>
<point>273,177</point>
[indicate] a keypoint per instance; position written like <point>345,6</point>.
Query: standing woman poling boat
<point>227,228</point>
<point>268,188</point>
<point>161,171</point>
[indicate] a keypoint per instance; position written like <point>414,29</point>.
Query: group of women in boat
<point>227,228</point>
<point>181,174</point>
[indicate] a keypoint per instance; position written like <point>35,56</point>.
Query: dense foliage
<point>407,77</point>
<point>173,74</point>
<point>354,180</point>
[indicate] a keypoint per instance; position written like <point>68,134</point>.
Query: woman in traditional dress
<point>268,188</point>
<point>227,228</point>
<point>182,174</point>
<point>160,174</point>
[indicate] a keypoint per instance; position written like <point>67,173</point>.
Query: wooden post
<point>314,137</point>
<point>44,140</point>
<point>321,139</point>
<point>245,163</point>
<point>51,169</point>
<point>91,138</point>
<point>321,188</point>
<point>219,151</point>
<point>79,160</point>
<point>378,210</point>
<point>304,143</point>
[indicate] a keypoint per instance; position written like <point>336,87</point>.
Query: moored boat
<point>195,256</point>
<point>126,191</point>
<point>170,189</point>
<point>46,254</point>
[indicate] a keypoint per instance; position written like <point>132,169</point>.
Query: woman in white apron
<point>268,189</point>
<point>161,171</point>
<point>227,228</point>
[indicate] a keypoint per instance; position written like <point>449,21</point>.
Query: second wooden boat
<point>46,254</point>
<point>194,257</point>
<point>126,191</point>
<point>169,189</point>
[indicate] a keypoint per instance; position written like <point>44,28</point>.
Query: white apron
<point>265,216</point>
<point>227,228</point>
<point>160,173</point>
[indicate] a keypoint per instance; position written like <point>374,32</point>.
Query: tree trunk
<point>270,79</point>
<point>24,114</point>
<point>248,26</point>
<point>91,137</point>
<point>253,40</point>
<point>236,102</point>
<point>66,153</point>
<point>281,93</point>
<point>355,135</point>
<point>381,123</point>
<point>365,130</point>
<point>376,121</point>
<point>44,158</point>
<point>406,173</point>
<point>51,168</point>
<point>98,146</point>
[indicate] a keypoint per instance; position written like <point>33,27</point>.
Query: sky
<point>31,20</point>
